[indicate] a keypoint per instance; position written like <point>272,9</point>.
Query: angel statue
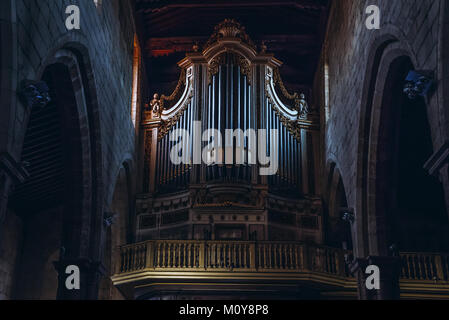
<point>155,105</point>
<point>303,106</point>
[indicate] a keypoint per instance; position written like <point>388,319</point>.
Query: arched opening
<point>51,200</point>
<point>443,88</point>
<point>118,232</point>
<point>337,231</point>
<point>409,203</point>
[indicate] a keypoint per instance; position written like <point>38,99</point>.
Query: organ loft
<point>195,150</point>
<point>231,85</point>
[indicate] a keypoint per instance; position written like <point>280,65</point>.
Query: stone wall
<point>416,26</point>
<point>33,31</point>
<point>10,241</point>
<point>41,31</point>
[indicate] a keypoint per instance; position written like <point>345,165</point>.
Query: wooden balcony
<point>166,265</point>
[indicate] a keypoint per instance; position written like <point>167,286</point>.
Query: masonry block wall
<point>347,47</point>
<point>107,33</point>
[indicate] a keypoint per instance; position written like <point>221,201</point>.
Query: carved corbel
<point>418,83</point>
<point>34,94</point>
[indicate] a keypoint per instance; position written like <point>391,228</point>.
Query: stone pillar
<point>390,269</point>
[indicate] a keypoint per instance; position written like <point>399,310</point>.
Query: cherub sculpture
<point>303,106</point>
<point>155,105</point>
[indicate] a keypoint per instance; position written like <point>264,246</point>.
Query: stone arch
<point>120,231</point>
<point>392,57</point>
<point>390,36</point>
<point>443,90</point>
<point>388,65</point>
<point>338,232</point>
<point>377,49</point>
<point>72,50</point>
<point>82,218</point>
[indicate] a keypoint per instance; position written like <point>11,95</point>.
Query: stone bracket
<point>34,94</point>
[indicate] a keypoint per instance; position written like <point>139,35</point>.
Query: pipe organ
<point>247,150</point>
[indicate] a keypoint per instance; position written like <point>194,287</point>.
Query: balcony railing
<point>232,256</point>
<point>425,267</point>
<point>244,256</point>
<point>154,263</point>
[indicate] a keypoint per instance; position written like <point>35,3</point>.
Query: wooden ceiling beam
<point>146,7</point>
<point>297,43</point>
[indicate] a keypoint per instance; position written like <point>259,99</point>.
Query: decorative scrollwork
<point>168,124</point>
<point>244,66</point>
<point>237,59</point>
<point>179,87</point>
<point>292,126</point>
<point>215,65</point>
<point>154,108</point>
<point>300,102</point>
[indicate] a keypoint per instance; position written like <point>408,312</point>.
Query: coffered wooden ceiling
<point>292,30</point>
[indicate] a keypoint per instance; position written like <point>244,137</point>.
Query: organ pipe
<point>229,103</point>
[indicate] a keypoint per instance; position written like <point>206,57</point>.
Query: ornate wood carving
<point>167,125</point>
<point>237,59</point>
<point>299,100</point>
<point>230,28</point>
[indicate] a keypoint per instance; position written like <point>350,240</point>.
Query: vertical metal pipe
<point>245,114</point>
<point>209,124</point>
<point>272,142</point>
<point>170,169</point>
<point>220,100</point>
<point>278,153</point>
<point>286,152</point>
<point>282,151</point>
<point>292,161</point>
<point>166,160</point>
<point>189,146</point>
<point>214,115</point>
<point>296,161</point>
